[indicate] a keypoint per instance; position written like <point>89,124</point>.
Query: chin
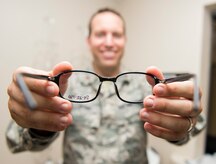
<point>110,67</point>
<point>109,64</point>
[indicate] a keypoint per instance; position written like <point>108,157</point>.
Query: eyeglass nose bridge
<point>112,79</point>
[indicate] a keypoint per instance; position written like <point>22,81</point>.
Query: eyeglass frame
<point>32,104</point>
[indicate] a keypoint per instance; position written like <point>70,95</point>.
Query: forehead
<point>107,21</point>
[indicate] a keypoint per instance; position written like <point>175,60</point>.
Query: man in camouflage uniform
<point>105,130</point>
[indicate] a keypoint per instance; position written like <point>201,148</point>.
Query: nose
<point>109,40</point>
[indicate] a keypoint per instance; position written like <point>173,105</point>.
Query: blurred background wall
<point>173,35</point>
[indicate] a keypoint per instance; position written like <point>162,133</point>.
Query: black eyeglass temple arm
<point>30,101</point>
<point>35,76</point>
<point>185,77</point>
<point>196,95</point>
<point>182,77</point>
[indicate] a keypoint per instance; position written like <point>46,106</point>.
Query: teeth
<point>108,53</point>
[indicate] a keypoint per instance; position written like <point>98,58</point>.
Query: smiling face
<point>107,42</point>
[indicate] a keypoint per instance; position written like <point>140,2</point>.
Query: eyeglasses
<point>80,86</point>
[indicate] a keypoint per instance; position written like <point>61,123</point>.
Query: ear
<point>125,39</point>
<point>88,40</point>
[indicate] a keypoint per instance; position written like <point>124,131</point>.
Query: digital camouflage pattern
<point>106,130</point>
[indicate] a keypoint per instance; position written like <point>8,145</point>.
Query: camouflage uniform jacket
<point>105,130</point>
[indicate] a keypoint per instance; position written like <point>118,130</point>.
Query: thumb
<point>60,67</point>
<point>155,71</point>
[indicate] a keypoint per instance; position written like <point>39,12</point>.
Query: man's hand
<point>52,112</point>
<point>169,113</point>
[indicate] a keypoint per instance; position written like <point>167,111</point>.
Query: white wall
<point>165,34</point>
<point>39,33</point>
<point>175,36</point>
<point>182,38</point>
<point>168,34</point>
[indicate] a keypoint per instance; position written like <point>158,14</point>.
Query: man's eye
<point>99,35</point>
<point>117,35</point>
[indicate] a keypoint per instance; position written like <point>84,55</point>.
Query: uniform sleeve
<point>22,139</point>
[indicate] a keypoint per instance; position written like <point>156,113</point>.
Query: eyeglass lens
<point>79,86</point>
<point>130,82</point>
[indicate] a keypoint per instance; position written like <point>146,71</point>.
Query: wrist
<point>36,133</point>
<point>182,141</point>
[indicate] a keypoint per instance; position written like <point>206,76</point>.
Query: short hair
<point>103,10</point>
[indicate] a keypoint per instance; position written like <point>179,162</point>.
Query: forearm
<point>22,139</point>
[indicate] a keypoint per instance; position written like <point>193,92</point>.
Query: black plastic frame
<point>32,103</point>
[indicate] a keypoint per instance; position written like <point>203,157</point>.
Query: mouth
<point>109,54</point>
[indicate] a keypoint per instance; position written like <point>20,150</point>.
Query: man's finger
<point>155,71</point>
<point>63,66</point>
